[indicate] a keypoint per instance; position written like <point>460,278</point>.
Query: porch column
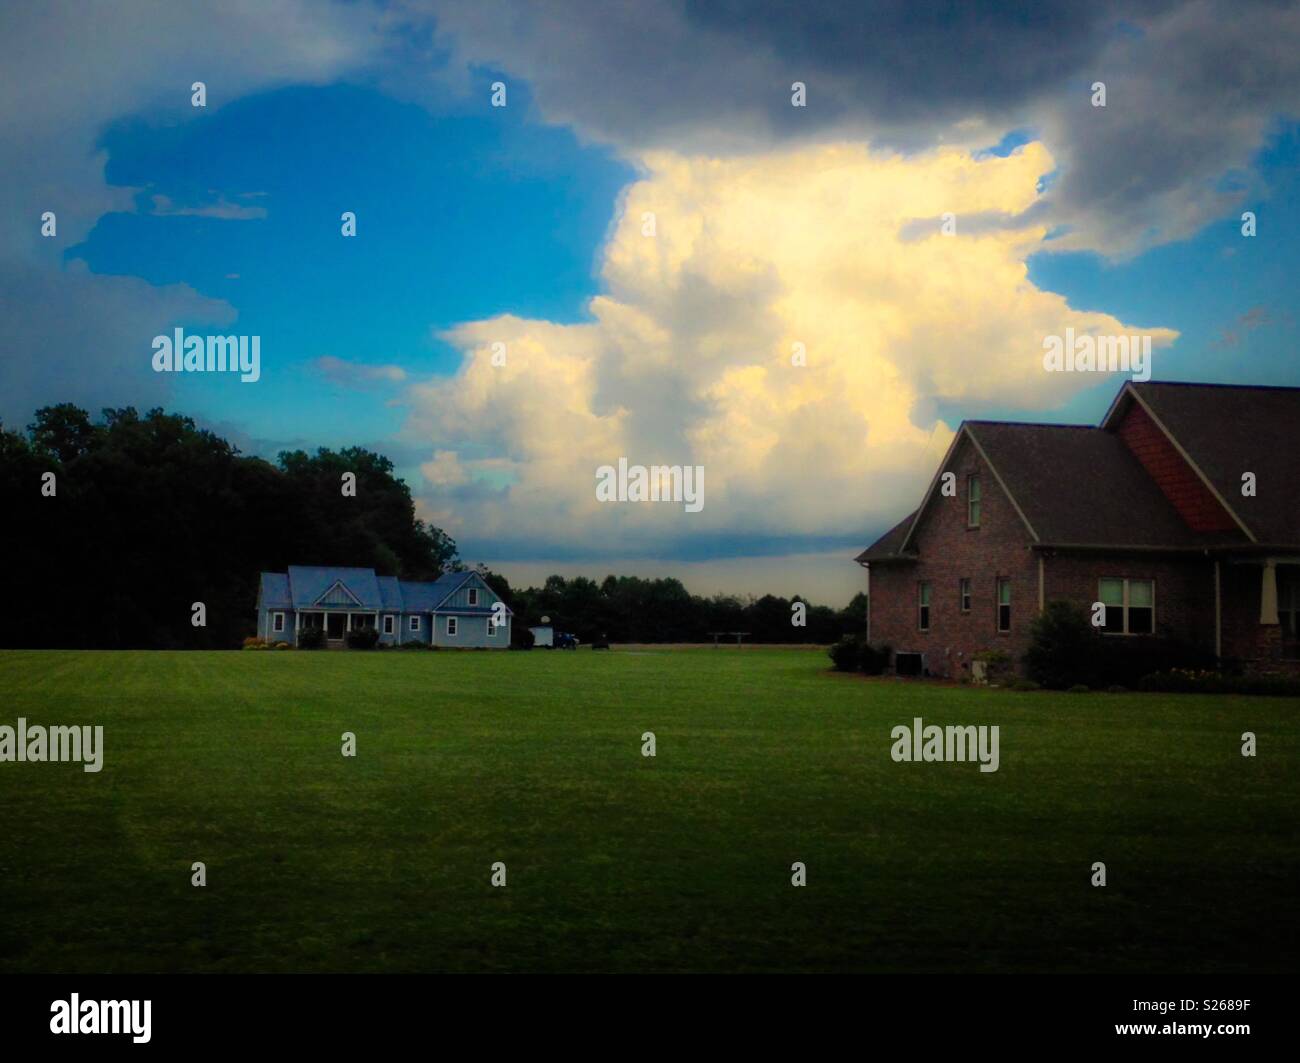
<point>1268,593</point>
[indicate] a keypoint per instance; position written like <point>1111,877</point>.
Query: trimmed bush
<point>846,655</point>
<point>254,643</point>
<point>875,660</point>
<point>1062,647</point>
<point>362,638</point>
<point>283,646</point>
<point>311,638</point>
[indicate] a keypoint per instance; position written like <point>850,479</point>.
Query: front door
<point>334,625</point>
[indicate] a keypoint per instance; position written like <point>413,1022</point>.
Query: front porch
<point>1258,613</point>
<point>335,622</point>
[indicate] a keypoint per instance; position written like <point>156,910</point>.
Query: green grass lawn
<point>620,862</point>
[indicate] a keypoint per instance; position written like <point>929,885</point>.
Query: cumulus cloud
<point>688,357</point>
<point>1192,88</point>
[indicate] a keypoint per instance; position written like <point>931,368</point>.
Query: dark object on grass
<point>565,640</point>
<point>601,643</point>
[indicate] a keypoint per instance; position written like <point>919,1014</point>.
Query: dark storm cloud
<point>1192,88</point>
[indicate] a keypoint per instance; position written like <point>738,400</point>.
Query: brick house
<point>1152,513</point>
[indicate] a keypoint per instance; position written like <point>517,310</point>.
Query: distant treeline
<point>117,527</point>
<point>629,609</point>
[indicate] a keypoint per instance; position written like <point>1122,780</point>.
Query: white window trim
<point>473,596</point>
<point>491,628</point>
<point>998,603</point>
<point>972,500</point>
<point>453,627</point>
<point>414,624</point>
<point>1125,606</point>
<point>277,623</point>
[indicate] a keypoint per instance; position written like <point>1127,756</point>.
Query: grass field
<point>620,862</point>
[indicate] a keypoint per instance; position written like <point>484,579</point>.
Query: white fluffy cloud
<point>688,357</point>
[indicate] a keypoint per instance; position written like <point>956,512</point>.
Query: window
<point>972,501</point>
<point>415,623</point>
<point>1004,605</point>
<point>1130,605</point>
<point>1288,600</point>
<point>388,625</point>
<point>492,628</point>
<point>277,621</point>
<point>452,625</point>
<point>923,602</point>
<point>963,594</point>
<point>473,596</point>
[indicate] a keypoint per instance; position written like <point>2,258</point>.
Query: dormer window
<point>473,596</point>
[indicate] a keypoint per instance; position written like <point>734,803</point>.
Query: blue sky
<point>774,225</point>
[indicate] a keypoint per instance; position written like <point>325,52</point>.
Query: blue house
<point>457,609</point>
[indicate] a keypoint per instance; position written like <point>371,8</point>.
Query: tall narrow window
<point>388,625</point>
<point>923,603</point>
<point>452,625</point>
<point>963,594</point>
<point>473,596</point>
<point>1141,607</point>
<point>277,624</point>
<point>1111,595</point>
<point>972,501</point>
<point>1004,605</point>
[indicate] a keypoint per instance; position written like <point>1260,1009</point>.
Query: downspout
<point>1218,614</point>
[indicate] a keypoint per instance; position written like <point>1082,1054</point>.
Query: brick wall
<point>1184,588</point>
<point>949,551</point>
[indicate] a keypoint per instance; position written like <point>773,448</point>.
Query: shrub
<point>1078,688</point>
<point>1062,647</point>
<point>1020,683</point>
<point>311,638</point>
<point>1202,681</point>
<point>520,637</point>
<point>282,646</point>
<point>875,660</point>
<point>362,638</point>
<point>254,643</point>
<point>998,666</point>
<point>846,655</point>
<point>1115,688</point>
<point>414,644</point>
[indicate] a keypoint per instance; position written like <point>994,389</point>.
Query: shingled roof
<point>1075,485</point>
<point>1226,430</point>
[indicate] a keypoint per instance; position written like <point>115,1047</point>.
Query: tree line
<point>117,526</point>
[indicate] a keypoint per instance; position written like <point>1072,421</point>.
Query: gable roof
<point>303,587</point>
<point>1075,485</point>
<point>1082,486</point>
<point>426,597</point>
<point>274,591</point>
<point>1225,430</point>
<point>309,583</point>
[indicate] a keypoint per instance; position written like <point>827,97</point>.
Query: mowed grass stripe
<point>619,862</point>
